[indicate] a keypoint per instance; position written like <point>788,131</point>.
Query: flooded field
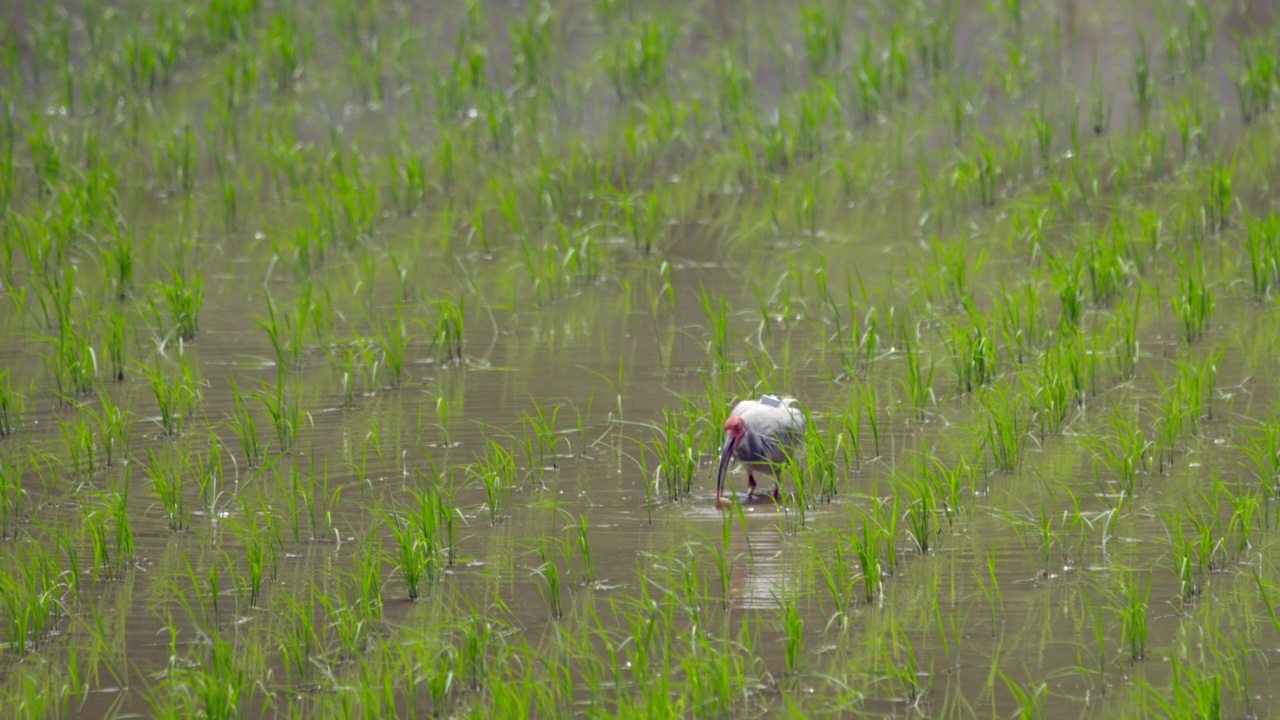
<point>371,358</point>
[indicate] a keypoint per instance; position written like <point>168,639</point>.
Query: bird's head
<point>734,430</point>
<point>735,427</point>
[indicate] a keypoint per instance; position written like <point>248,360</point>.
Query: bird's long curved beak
<point>726,452</point>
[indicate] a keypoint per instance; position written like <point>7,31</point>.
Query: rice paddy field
<point>370,358</point>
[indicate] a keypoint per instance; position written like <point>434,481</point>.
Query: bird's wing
<point>743,407</point>
<point>781,424</point>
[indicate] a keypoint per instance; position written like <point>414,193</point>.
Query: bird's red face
<point>734,430</point>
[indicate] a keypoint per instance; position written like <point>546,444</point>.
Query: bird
<point>761,434</point>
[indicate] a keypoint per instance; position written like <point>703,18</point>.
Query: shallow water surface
<point>475,287</point>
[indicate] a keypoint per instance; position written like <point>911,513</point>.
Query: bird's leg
<point>751,484</point>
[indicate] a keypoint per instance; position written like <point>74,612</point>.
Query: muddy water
<point>994,598</point>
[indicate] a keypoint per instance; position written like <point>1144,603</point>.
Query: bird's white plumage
<point>773,433</point>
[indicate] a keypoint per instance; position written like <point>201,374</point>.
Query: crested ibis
<point>760,434</point>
